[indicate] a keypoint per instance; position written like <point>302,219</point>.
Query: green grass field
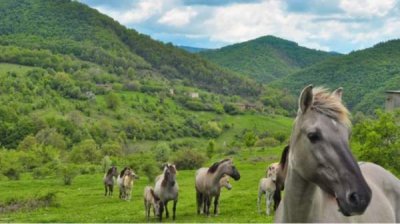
<point>84,201</point>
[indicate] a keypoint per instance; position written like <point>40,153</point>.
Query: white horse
<point>166,188</point>
<point>324,183</point>
<point>151,201</point>
<point>266,186</point>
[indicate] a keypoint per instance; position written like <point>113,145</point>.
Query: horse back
<point>384,185</point>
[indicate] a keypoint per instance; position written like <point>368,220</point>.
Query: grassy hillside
<point>365,75</point>
<point>266,58</point>
<point>71,28</point>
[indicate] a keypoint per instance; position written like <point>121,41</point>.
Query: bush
<point>41,172</point>
<point>268,141</point>
<point>189,159</point>
<point>12,173</point>
<point>68,173</point>
<point>162,152</point>
<point>86,151</point>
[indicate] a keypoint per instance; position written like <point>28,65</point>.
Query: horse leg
<point>166,210</point>
<point>277,197</point>
<point>161,210</point>
<point>259,200</point>
<point>199,198</point>
<point>216,203</point>
<point>111,190</point>
<point>208,201</point>
<point>271,200</point>
<point>174,209</point>
<point>105,189</point>
<point>267,202</point>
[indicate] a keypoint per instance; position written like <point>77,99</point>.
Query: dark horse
<point>280,177</point>
<point>108,180</point>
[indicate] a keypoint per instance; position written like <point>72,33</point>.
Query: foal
<point>151,200</point>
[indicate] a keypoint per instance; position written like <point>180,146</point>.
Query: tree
<point>379,140</point>
<point>112,101</point>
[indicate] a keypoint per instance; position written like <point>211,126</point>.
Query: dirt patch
<point>15,205</point>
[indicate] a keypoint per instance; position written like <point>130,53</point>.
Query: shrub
<point>268,141</point>
<point>280,136</point>
<point>162,152</point>
<point>68,173</point>
<point>86,151</point>
<point>41,172</point>
<point>189,159</point>
<point>106,163</point>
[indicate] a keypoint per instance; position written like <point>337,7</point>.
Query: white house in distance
<point>392,100</point>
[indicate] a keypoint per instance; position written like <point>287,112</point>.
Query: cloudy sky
<point>331,25</point>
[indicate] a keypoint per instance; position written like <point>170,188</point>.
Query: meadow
<point>84,200</point>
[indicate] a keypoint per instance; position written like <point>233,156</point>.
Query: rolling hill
<point>364,75</point>
<point>71,28</point>
<point>266,58</point>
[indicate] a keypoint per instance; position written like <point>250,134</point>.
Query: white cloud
<point>352,25</point>
<point>367,8</point>
<point>178,17</point>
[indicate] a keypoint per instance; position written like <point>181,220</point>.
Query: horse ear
<point>338,92</point>
<point>306,98</point>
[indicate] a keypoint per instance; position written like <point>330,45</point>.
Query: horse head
<point>228,168</point>
<point>320,151</point>
<point>170,174</point>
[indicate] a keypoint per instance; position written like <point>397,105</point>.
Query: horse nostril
<point>354,199</point>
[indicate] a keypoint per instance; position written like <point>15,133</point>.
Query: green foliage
<point>68,172</point>
<point>112,101</point>
<point>210,148</point>
<point>162,152</point>
<point>365,75</point>
<point>86,151</point>
<point>249,138</point>
<point>106,163</point>
<point>268,141</point>
<point>189,159</point>
<point>379,140</point>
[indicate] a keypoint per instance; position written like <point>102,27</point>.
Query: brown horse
<point>108,180</point>
<point>280,176</point>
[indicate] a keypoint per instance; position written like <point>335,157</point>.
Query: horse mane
<point>284,155</point>
<point>154,195</point>
<point>109,171</point>
<point>123,171</point>
<point>215,166</point>
<point>330,105</point>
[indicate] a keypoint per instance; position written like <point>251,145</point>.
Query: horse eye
<point>313,137</point>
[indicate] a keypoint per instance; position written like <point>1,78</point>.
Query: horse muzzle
<point>354,203</point>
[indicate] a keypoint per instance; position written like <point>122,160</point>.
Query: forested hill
<point>364,74</point>
<point>70,28</point>
<point>266,58</point>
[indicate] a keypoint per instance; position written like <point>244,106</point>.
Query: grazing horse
<point>208,183</point>
<point>324,183</point>
<point>267,186</point>
<point>108,180</point>
<point>166,188</point>
<point>151,200</point>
